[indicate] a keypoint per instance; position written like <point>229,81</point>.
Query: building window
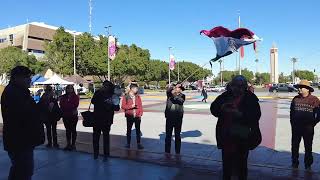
<point>2,40</point>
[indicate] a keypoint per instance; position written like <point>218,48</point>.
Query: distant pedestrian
<point>51,114</point>
<point>204,93</point>
<point>132,106</point>
<point>237,129</point>
<point>22,127</point>
<point>69,103</point>
<point>104,108</point>
<point>174,115</point>
<point>304,115</point>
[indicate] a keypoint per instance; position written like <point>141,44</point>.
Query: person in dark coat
<point>174,115</point>
<point>204,93</point>
<point>69,103</point>
<point>304,116</point>
<point>51,114</point>
<point>22,127</point>
<point>103,117</point>
<point>237,129</point>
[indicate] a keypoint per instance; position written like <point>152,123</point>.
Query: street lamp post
<point>108,34</point>
<point>178,71</point>
<point>74,53</point>
<point>257,67</point>
<point>294,60</point>
<point>169,65</point>
<point>221,75</point>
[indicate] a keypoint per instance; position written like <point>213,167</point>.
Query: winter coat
<point>69,105</point>
<point>127,103</point>
<point>174,107</point>
<point>22,127</point>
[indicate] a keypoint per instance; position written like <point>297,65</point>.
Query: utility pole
<point>221,75</point>
<point>293,60</point>
<point>178,71</point>
<point>169,65</point>
<point>74,54</point>
<point>239,25</point>
<point>108,34</point>
<point>257,65</point>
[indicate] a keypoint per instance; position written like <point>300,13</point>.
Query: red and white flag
<point>228,42</point>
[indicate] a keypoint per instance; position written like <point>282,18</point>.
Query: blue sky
<point>292,25</point>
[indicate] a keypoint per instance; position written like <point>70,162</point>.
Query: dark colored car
<point>282,88</point>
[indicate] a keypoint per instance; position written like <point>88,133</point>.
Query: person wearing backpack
<point>237,130</point>
<point>132,106</point>
<point>304,115</point>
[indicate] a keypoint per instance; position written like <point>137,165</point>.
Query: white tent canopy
<point>55,79</point>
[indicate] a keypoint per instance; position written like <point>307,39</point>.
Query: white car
<point>219,89</point>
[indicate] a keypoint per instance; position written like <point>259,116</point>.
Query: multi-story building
<point>29,37</point>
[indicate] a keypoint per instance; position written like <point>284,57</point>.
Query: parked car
<point>219,89</point>
<point>282,88</point>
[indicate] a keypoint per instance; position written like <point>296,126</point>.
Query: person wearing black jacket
<point>104,108</point>
<point>51,114</point>
<point>174,115</point>
<point>22,127</point>
<point>303,112</point>
<point>204,93</point>
<point>237,130</point>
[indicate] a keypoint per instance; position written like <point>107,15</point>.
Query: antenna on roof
<point>90,15</point>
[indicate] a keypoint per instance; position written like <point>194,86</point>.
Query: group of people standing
<point>237,130</point>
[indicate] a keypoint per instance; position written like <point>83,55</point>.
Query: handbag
<point>88,119</point>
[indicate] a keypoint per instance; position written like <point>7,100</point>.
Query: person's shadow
<point>186,134</point>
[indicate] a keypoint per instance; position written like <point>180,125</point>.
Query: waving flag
<point>228,42</point>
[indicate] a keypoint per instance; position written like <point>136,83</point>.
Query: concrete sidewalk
<point>51,164</point>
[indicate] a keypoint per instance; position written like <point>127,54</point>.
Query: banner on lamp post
<point>172,63</point>
<point>112,47</point>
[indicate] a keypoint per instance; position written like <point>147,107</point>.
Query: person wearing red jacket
<point>69,103</point>
<point>132,106</point>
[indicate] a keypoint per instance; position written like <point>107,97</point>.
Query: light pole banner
<point>112,47</point>
<point>172,63</point>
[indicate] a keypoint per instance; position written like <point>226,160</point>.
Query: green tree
<point>305,74</point>
<point>247,74</point>
<point>284,79</point>
<point>59,52</point>
<point>262,78</point>
<point>12,56</point>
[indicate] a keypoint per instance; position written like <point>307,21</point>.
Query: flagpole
<point>239,25</point>
<point>169,65</point>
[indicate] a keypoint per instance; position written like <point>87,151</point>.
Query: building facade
<point>29,37</point>
<point>274,71</point>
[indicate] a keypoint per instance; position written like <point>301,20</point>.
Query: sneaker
<point>295,166</point>
<point>127,146</point>
<point>67,148</point>
<point>140,147</point>
<point>308,168</point>
<point>73,148</point>
<point>56,146</point>
<point>49,145</point>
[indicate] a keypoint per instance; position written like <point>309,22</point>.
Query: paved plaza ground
<point>199,153</point>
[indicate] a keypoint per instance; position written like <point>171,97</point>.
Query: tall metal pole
<point>74,54</point>
<point>294,60</point>
<point>178,71</point>
<point>221,75</point>
<point>169,65</point>
<point>108,34</point>
<point>239,24</point>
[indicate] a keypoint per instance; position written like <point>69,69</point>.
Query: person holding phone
<point>132,106</point>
